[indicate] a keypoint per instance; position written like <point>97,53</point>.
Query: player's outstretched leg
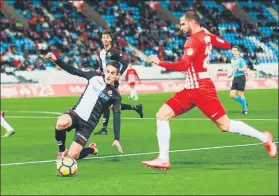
<point>64,123</point>
<point>163,135</point>
<point>9,130</point>
<point>106,115</point>
<point>92,149</point>
<point>137,108</point>
<point>234,126</point>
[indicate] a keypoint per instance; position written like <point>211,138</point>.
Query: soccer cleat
<point>157,163</point>
<point>60,155</point>
<point>2,113</point>
<point>94,147</point>
<point>138,109</point>
<point>103,131</point>
<point>244,112</point>
<point>270,145</point>
<point>9,133</point>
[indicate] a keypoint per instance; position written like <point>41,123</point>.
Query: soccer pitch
<point>204,160</point>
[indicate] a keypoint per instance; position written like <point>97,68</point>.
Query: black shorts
<point>83,128</point>
<point>239,83</point>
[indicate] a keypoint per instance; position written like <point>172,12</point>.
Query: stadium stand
<point>59,27</point>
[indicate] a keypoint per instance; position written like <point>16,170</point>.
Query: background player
<point>9,130</point>
<point>199,91</point>
<point>108,53</point>
<point>239,80</point>
<point>99,93</point>
<point>132,76</point>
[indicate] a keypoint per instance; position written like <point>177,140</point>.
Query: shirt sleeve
<point>117,118</point>
<point>74,71</point>
<point>190,52</point>
<point>219,42</point>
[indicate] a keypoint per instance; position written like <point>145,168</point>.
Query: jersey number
<point>208,48</point>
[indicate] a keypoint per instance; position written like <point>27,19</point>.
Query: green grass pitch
<point>202,170</point>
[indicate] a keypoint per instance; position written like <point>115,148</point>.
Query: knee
<point>163,116</point>
<point>223,123</point>
<point>73,154</point>
<point>224,127</point>
<point>232,96</point>
<point>62,124</point>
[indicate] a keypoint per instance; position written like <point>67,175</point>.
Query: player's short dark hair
<point>192,15</point>
<point>107,32</point>
<point>115,64</point>
<point>236,47</point>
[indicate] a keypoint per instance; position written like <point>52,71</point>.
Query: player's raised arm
<point>117,123</point>
<point>189,54</point>
<point>70,69</point>
<point>218,41</point>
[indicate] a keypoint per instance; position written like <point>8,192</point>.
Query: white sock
<point>6,125</point>
<point>135,94</point>
<point>131,93</point>
<point>244,129</point>
<point>163,136</point>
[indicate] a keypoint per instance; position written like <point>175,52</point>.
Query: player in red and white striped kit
<point>199,91</point>
<point>132,76</point>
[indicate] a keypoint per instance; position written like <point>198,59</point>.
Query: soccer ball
<point>67,166</point>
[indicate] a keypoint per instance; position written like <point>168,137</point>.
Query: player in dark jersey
<point>108,53</point>
<point>100,93</point>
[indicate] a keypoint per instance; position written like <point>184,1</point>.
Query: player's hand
<point>50,56</point>
<point>235,68</point>
<point>154,59</point>
<point>117,144</point>
<point>206,31</point>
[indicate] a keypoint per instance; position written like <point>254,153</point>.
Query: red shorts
<point>205,98</point>
<point>132,84</point>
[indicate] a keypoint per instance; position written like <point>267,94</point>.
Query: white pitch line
<point>125,118</point>
<point>138,154</point>
<point>35,112</point>
<point>130,118</point>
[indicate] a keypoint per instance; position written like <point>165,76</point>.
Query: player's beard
<point>189,32</point>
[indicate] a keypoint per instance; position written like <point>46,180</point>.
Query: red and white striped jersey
<point>132,75</point>
<point>196,56</point>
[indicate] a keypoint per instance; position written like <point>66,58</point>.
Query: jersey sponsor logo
<point>104,96</point>
<point>189,51</point>
<point>101,94</point>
